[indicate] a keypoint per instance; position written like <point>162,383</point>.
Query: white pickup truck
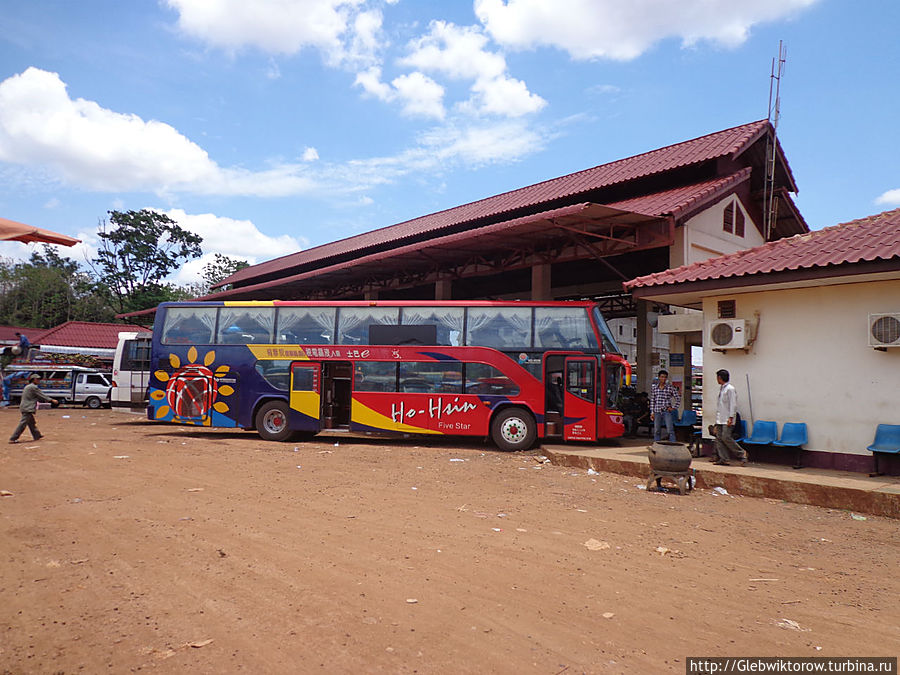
<point>67,384</point>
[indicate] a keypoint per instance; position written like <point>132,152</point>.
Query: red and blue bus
<point>512,371</point>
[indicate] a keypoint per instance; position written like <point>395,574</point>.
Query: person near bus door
<point>30,396</point>
<point>664,401</point>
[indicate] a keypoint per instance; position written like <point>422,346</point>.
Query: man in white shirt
<point>726,407</point>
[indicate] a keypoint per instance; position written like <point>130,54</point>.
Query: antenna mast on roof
<point>770,204</point>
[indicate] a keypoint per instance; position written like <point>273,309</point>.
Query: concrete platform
<point>878,496</point>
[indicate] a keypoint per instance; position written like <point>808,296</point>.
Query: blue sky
<point>274,125</point>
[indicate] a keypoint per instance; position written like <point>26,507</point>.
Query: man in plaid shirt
<point>664,401</point>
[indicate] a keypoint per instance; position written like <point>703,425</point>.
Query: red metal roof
<point>729,143</point>
<point>678,200</point>
<point>85,334</point>
<point>8,333</point>
<point>865,240</point>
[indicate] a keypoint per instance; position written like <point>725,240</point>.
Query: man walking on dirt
<point>726,408</point>
<point>30,396</point>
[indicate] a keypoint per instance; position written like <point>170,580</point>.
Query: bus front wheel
<point>513,429</point>
<point>272,421</point>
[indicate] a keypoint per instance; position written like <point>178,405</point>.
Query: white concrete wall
<point>623,331</point>
<point>702,236</point>
<point>811,363</point>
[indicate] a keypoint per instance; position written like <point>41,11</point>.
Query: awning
<point>13,231</point>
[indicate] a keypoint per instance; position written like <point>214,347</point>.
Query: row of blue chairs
<point>765,433</point>
<point>794,435</point>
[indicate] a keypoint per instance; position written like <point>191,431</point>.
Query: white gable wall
<point>811,362</point>
<point>702,236</point>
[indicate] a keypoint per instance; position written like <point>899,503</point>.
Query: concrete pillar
<point>680,373</point>
<point>443,289</point>
<point>540,282</point>
<point>644,347</point>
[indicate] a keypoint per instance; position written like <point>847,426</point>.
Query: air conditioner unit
<point>884,330</point>
<point>728,334</point>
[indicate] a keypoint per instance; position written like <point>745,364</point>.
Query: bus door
<point>554,412</point>
<point>306,396</point>
<point>580,399</point>
<point>337,389</point>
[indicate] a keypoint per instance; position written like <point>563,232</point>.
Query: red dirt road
<point>129,546</point>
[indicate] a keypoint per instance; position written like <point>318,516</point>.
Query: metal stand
<point>682,479</point>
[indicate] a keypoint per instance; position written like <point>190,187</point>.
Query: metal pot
<point>668,456</point>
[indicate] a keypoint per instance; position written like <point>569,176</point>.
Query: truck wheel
<point>272,421</point>
<point>513,429</point>
<point>93,402</point>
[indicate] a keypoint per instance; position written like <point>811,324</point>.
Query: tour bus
<point>131,370</point>
<point>511,371</point>
<point>67,384</point>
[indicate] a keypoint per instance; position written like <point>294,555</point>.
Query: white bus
<point>131,371</point>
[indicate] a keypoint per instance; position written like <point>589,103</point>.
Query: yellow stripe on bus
<point>248,303</point>
<point>277,352</point>
<point>362,414</point>
<point>307,402</point>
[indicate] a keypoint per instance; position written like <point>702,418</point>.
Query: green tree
<point>221,268</point>
<point>138,250</point>
<point>48,290</point>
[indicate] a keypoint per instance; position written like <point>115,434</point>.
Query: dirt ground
<point>130,546</point>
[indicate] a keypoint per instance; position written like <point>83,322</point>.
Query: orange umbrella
<point>10,229</point>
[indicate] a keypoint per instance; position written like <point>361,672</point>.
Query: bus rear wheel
<point>272,421</point>
<point>513,429</point>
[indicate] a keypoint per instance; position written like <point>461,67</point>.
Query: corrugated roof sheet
<point>8,333</point>
<point>865,240</point>
<point>727,143</point>
<point>85,334</point>
<point>678,200</point>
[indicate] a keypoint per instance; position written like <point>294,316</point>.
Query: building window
<point>733,220</point>
<point>727,309</point>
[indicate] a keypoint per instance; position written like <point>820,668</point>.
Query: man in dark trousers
<point>30,396</point>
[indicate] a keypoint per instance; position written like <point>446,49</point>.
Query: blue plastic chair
<point>764,433</point>
<point>740,431</point>
<point>793,435</point>
<point>887,441</point>
<point>688,419</point>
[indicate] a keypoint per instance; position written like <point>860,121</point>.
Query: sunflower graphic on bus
<point>193,393</point>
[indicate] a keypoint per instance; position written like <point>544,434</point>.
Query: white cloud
<point>461,53</point>
<point>618,30</point>
<point>239,239</point>
<point>99,149</point>
<point>341,30</point>
<point>370,81</point>
<point>891,197</point>
<point>274,26</point>
<point>90,147</point>
<point>419,94</point>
